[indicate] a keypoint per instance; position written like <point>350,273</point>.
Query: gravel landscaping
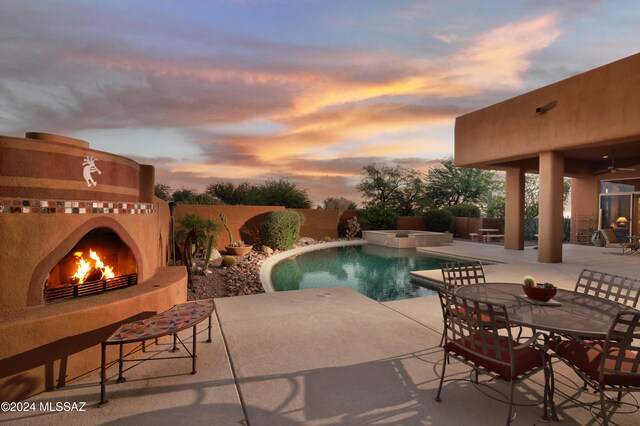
<point>239,280</point>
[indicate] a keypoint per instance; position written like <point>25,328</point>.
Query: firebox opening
<point>99,262</point>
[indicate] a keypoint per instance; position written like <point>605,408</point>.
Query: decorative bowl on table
<point>540,292</point>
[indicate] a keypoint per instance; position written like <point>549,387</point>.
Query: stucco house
<point>586,127</point>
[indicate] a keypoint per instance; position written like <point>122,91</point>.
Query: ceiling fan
<point>612,168</point>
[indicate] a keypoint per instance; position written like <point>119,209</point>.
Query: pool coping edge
<point>267,266</point>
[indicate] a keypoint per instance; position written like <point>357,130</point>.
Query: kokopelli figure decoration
<point>90,167</point>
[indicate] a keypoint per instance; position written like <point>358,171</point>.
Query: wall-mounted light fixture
<point>547,107</point>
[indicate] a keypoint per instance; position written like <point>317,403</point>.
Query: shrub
<point>228,261</point>
<point>464,210</point>
<point>495,208</point>
<point>326,238</point>
<point>378,216</point>
<point>281,229</point>
<point>439,220</point>
<point>282,193</point>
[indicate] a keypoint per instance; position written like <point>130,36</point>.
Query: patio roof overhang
<point>563,129</point>
<point>583,117</point>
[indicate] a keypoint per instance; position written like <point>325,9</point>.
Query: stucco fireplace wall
<point>47,205</point>
<point>53,191</point>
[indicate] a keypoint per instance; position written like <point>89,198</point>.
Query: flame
<point>88,268</point>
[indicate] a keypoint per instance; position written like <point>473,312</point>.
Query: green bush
<point>228,261</point>
<point>438,220</point>
<point>377,217</point>
<point>464,210</point>
<point>280,230</point>
<point>495,208</point>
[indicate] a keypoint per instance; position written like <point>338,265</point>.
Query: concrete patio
<point>332,356</point>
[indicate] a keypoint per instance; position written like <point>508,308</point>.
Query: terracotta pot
<point>238,251</point>
<point>540,293</point>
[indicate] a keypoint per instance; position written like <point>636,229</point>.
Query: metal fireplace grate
<point>90,287</point>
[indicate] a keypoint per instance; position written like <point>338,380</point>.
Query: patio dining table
<point>569,313</point>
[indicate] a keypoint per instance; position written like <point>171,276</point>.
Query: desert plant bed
<point>239,280</point>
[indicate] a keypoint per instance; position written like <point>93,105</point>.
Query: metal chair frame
<point>459,273</point>
<point>617,288</point>
<point>624,335</point>
<point>475,330</point>
<point>455,274</point>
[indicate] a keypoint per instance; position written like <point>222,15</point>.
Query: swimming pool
<point>378,272</point>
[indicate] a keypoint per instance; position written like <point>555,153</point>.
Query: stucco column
<point>550,230</point>
<point>514,210</point>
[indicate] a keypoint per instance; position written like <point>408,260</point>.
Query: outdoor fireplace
<point>99,262</point>
<point>59,201</point>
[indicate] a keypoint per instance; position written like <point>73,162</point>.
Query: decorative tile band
<point>19,205</point>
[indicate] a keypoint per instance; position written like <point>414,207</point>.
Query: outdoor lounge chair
<point>608,286</point>
<point>610,365</point>
<point>613,239</point>
<point>472,337</point>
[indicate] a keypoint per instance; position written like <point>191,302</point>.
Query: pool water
<point>378,272</point>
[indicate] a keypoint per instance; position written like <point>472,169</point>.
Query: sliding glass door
<point>620,212</point>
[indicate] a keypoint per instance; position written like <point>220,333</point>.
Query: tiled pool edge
<point>267,266</point>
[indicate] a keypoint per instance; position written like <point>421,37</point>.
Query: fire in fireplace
<point>90,268</point>
<point>99,262</point>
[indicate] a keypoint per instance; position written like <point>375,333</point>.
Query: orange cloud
<point>501,56</point>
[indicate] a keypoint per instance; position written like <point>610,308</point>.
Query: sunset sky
<point>308,90</point>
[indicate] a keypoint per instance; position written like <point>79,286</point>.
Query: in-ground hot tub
<point>407,239</point>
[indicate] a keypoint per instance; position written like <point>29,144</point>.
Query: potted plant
<point>538,291</point>
<point>235,248</point>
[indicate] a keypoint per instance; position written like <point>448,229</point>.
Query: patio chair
<point>609,286</point>
<point>461,273</point>
<point>612,238</point>
<point>472,338</point>
<point>456,274</point>
<point>610,365</point>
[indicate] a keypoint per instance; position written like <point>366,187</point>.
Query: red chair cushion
<point>524,359</point>
<point>588,361</point>
<point>461,312</point>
